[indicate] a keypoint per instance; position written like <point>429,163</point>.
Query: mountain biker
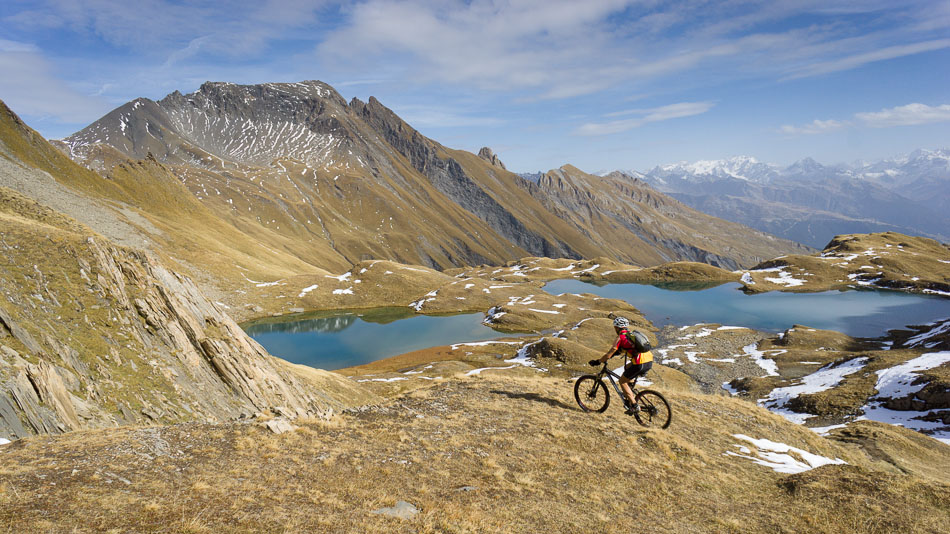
<point>639,364</point>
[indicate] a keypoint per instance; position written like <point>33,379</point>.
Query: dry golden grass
<point>486,454</point>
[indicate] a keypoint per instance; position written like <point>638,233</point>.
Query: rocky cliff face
<point>93,334</point>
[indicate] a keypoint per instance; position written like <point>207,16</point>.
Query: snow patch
<point>395,379</point>
<point>941,327</point>
<point>825,430</point>
<point>475,372</point>
<point>786,279</point>
<point>308,289</point>
<point>898,382</point>
<point>728,387</point>
<point>778,456</point>
<point>821,380</point>
<point>759,358</point>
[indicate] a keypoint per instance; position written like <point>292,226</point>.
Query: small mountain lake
<point>336,339</point>
<point>333,340</point>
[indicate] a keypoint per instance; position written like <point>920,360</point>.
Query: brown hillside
<point>481,454</point>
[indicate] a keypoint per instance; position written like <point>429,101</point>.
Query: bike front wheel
<point>654,411</point>
<point>591,394</point>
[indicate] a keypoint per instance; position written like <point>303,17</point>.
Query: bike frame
<point>612,376</point>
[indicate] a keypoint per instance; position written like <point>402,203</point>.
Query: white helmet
<point>621,322</point>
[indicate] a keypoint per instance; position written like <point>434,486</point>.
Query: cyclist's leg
<point>627,391</point>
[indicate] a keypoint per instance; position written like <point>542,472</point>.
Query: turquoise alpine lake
<point>858,313</point>
<point>337,339</point>
<point>333,340</point>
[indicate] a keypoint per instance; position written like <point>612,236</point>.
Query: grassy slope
<point>84,302</point>
<point>491,454</point>
<point>502,186</point>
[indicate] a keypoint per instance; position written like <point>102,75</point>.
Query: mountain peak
<point>242,123</point>
<point>804,166</point>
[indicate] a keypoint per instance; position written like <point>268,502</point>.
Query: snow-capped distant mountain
<point>921,175</point>
<point>740,167</point>
<point>810,202</point>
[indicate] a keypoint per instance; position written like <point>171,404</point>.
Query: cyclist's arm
<point>610,353</point>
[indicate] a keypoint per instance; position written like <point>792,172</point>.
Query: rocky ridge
<point>94,334</point>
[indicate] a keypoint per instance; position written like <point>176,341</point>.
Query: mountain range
<point>809,202</point>
<point>329,183</point>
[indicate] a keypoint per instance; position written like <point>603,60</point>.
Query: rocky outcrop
<point>486,154</point>
<point>96,335</point>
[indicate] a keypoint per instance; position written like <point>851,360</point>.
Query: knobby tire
<point>591,394</point>
<point>654,410</point>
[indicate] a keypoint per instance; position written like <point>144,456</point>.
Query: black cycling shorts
<point>634,370</point>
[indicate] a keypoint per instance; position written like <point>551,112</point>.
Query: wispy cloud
<point>546,45</point>
<point>14,46</point>
<point>239,27</point>
<point>351,83</point>
<point>672,111</point>
<point>909,115</point>
<point>563,49</point>
<point>546,49</point>
<point>815,127</point>
<point>857,60</point>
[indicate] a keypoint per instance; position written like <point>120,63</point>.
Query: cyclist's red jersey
<point>624,344</point>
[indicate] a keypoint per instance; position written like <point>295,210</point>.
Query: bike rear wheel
<point>654,411</point>
<point>591,394</point>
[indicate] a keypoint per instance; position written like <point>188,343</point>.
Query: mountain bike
<point>592,395</point>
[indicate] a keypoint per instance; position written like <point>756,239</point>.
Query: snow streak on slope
<point>257,142</point>
<point>900,382</point>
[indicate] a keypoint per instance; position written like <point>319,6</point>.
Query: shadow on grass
<point>535,397</point>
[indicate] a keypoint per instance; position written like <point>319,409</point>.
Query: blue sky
<point>600,84</point>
